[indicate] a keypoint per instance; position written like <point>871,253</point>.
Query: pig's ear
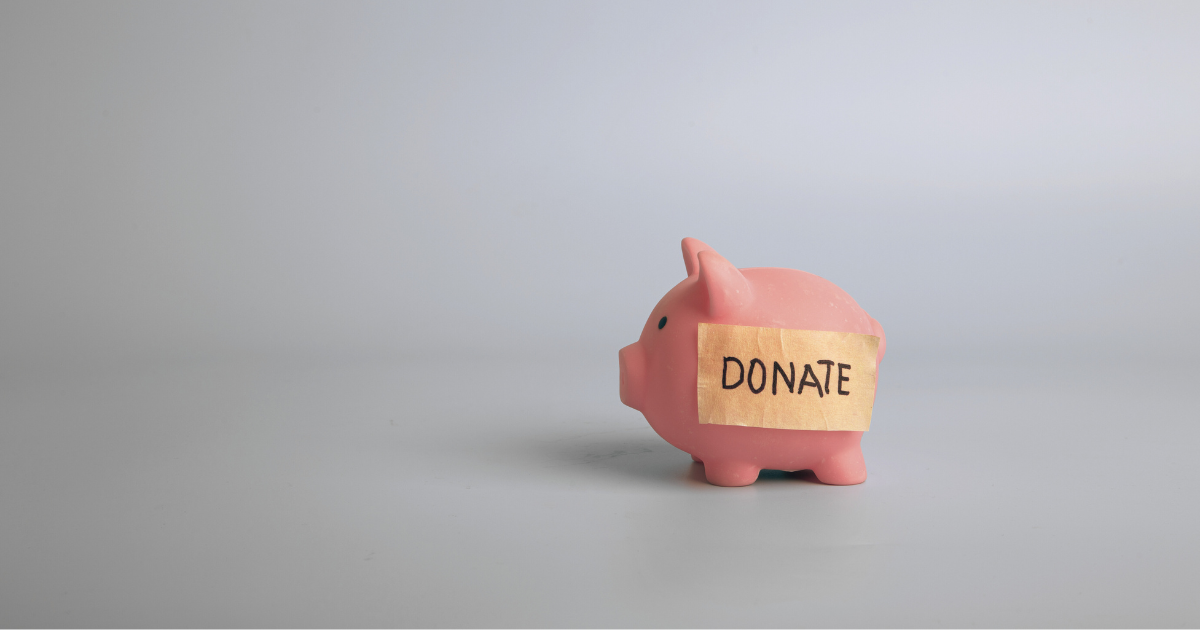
<point>726,287</point>
<point>691,249</point>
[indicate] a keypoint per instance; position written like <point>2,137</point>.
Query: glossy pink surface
<point>658,372</point>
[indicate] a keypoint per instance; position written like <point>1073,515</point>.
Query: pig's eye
<point>662,322</point>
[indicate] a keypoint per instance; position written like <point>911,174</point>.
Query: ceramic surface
<point>658,371</point>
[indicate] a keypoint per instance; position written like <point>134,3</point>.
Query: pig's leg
<point>726,473</point>
<point>843,468</point>
<point>697,459</point>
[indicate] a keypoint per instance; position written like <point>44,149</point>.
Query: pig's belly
<point>775,449</point>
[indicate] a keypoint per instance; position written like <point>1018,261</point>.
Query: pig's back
<point>789,298</point>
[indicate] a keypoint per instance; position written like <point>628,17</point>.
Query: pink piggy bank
<point>659,371</point>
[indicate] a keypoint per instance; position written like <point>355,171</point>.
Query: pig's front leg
<point>729,473</point>
<point>842,468</point>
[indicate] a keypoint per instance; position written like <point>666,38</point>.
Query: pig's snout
<point>633,374</point>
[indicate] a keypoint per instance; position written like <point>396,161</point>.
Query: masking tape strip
<point>779,378</point>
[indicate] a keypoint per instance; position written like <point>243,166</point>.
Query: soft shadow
<point>783,476</point>
<point>695,473</point>
<point>631,454</point>
<point>624,453</point>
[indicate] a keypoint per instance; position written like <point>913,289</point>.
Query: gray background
<point>310,311</point>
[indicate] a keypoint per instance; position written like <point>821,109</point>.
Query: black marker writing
<point>807,378</point>
<point>828,368</point>
<point>777,372</point>
<point>725,371</point>
<point>808,371</point>
<point>750,376</point>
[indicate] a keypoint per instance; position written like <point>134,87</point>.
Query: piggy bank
<point>663,374</point>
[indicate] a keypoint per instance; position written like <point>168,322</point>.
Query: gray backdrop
<point>310,310</point>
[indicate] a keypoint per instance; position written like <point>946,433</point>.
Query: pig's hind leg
<point>727,473</point>
<point>843,468</point>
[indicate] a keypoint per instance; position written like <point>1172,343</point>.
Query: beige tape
<point>785,379</point>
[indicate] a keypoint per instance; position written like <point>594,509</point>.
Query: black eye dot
<point>662,322</point>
